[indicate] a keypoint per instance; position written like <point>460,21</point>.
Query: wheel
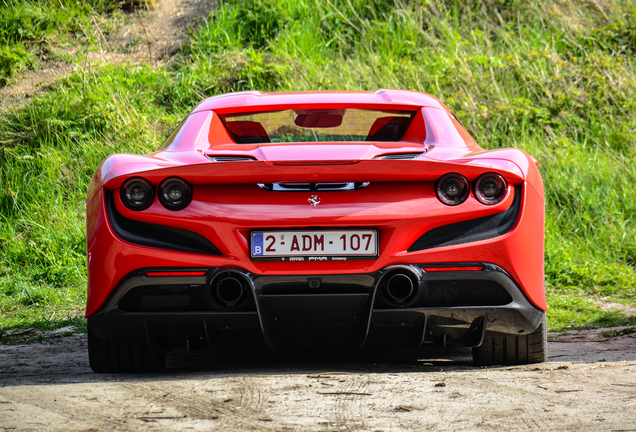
<point>118,357</point>
<point>514,350</point>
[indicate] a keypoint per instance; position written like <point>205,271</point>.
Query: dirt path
<point>148,37</point>
<point>589,383</point>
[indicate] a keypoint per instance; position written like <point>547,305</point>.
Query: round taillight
<point>452,189</point>
<point>137,194</point>
<point>490,188</point>
<point>174,193</point>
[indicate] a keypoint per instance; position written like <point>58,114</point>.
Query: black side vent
<point>230,158</point>
<point>159,236</point>
<point>471,230</point>
<point>400,156</point>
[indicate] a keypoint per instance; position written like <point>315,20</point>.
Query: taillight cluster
<point>174,193</point>
<point>453,189</point>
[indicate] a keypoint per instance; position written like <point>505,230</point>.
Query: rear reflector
<point>440,269</point>
<point>176,273</point>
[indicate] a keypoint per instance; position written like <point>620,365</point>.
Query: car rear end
<point>353,244</point>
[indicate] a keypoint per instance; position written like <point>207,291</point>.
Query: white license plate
<point>321,245</point>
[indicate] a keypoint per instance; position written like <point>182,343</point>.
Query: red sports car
<point>322,219</point>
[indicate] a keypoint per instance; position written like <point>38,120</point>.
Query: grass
<point>557,79</point>
<point>46,170</point>
<point>570,308</point>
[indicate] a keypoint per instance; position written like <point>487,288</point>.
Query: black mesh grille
<point>452,293</point>
<point>159,236</point>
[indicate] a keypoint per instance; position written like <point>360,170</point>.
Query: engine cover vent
<point>230,158</point>
<point>400,156</point>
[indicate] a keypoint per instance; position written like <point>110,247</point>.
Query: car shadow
<point>64,360</point>
<point>368,360</point>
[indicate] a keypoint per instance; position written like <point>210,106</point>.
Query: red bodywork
<point>399,202</point>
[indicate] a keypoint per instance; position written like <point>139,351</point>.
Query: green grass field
<point>556,79</point>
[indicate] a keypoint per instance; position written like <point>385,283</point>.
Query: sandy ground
<point>589,383</point>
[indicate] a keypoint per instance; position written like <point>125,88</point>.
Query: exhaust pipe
<point>230,289</point>
<point>399,288</point>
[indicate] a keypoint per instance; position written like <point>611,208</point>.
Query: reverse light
<point>174,193</point>
<point>137,194</point>
<point>452,189</point>
<point>490,188</point>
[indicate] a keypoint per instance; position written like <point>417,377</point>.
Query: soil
<point>588,383</point>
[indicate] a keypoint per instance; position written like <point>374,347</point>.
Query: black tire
<point>118,357</point>
<point>514,350</point>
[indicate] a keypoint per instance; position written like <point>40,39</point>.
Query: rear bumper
<point>210,310</point>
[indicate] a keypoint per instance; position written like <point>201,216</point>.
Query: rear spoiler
<point>253,172</point>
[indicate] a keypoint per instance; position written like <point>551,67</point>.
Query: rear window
<point>318,125</point>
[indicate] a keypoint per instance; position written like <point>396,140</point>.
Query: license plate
<point>324,245</point>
